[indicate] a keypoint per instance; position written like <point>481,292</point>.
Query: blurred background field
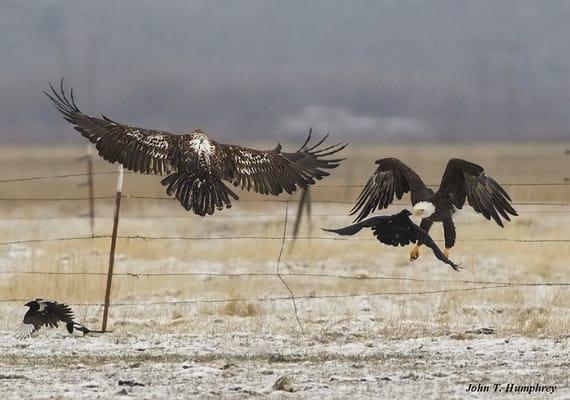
<point>247,239</point>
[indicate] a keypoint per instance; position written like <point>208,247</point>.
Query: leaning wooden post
<point>348,183</point>
<point>113,246</point>
<point>567,179</point>
<point>304,203</point>
<point>309,212</point>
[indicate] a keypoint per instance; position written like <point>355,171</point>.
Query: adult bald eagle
<point>461,180</point>
<point>396,230</point>
<point>196,165</point>
<point>48,313</point>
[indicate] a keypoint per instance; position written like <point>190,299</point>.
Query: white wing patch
<point>24,331</point>
<point>42,303</point>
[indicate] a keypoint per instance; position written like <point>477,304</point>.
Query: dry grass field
<point>400,329</point>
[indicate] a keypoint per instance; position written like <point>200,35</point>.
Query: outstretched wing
<point>274,171</point>
<point>393,230</point>
<point>463,179</point>
<point>33,321</point>
<point>55,312</point>
<point>353,229</point>
<point>51,314</point>
<point>391,178</point>
<point>139,150</point>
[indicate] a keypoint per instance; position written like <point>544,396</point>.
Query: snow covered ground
<point>263,365</point>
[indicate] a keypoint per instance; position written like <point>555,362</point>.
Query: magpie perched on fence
<point>49,313</point>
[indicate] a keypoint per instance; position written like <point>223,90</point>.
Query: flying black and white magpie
<point>49,313</point>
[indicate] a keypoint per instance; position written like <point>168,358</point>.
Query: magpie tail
<point>75,327</point>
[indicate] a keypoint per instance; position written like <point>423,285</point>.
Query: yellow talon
<point>446,252</point>
<point>415,253</point>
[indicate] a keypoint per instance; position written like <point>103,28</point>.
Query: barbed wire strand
<point>224,216</point>
<point>139,275</point>
<point>41,178</point>
<point>198,238</point>
<point>74,175</point>
<point>162,198</point>
<point>279,298</point>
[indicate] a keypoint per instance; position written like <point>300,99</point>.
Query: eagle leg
<point>415,253</point>
<point>426,226</point>
<point>446,252</point>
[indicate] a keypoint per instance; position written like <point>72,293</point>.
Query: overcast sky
<point>392,69</point>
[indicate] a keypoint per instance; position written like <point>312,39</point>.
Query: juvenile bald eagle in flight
<point>396,230</point>
<point>48,313</point>
<point>461,180</point>
<point>196,165</point>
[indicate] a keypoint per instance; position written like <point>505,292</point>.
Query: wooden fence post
<point>91,185</point>
<point>113,246</point>
<point>88,157</point>
<point>567,179</point>
<point>309,212</point>
<point>304,204</point>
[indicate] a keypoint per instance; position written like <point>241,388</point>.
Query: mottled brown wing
<point>139,150</point>
<point>463,179</point>
<point>391,178</point>
<point>274,171</point>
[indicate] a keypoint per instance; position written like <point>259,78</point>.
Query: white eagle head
<point>423,209</point>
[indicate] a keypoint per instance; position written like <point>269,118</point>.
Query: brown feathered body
<point>196,166</point>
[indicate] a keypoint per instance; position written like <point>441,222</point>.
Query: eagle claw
<point>415,253</point>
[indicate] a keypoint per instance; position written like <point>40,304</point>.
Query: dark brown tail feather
<point>201,195</point>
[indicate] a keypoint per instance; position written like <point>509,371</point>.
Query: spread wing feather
<point>465,180</point>
<point>274,171</point>
<point>52,313</point>
<point>391,178</point>
<point>197,165</point>
<point>357,227</point>
<point>139,150</point>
